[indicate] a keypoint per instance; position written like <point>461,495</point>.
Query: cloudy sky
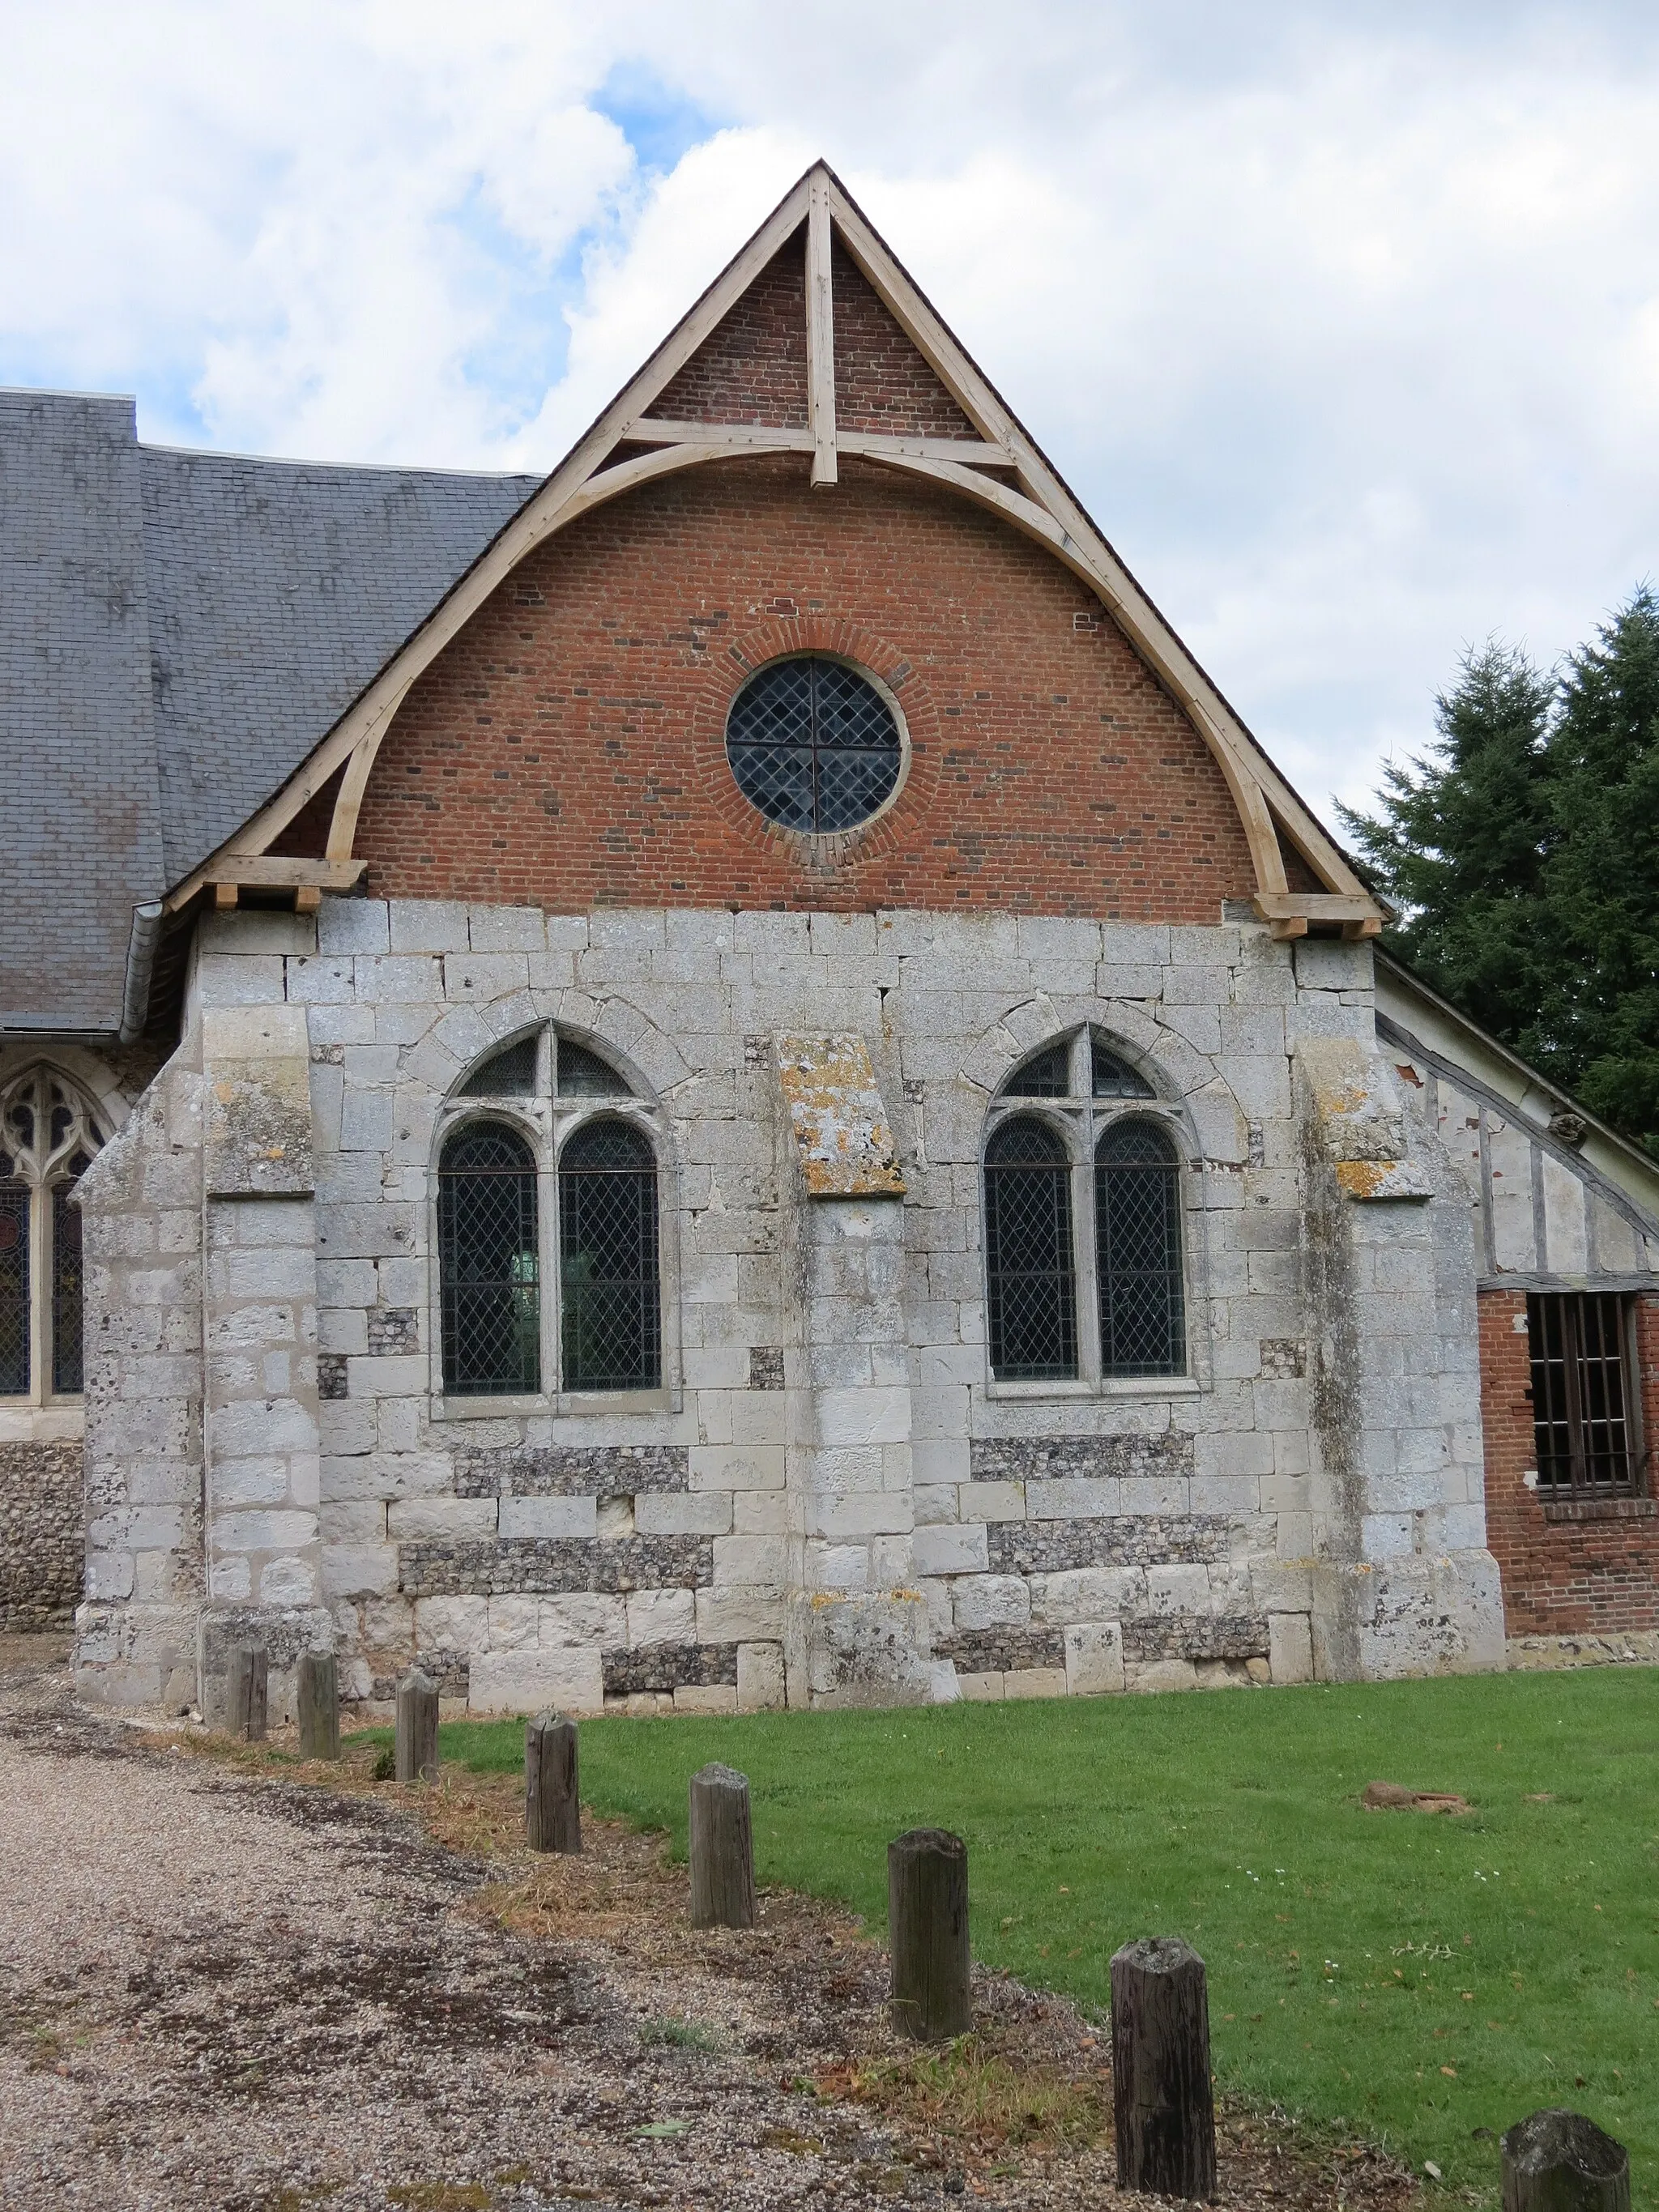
<point>1343,319</point>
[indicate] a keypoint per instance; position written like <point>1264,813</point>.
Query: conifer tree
<point>1460,841</point>
<point>1596,1026</point>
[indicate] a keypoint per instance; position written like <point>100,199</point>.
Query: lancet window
<point>1086,1276</point>
<point>48,1135</point>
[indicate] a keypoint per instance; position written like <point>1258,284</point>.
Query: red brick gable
<point>882,383</point>
<point>752,367</point>
<point>567,749</point>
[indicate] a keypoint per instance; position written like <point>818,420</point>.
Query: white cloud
<point>1344,323</point>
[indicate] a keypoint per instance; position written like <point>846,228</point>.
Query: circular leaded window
<point>813,745</point>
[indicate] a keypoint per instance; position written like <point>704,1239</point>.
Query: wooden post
<point>1161,2092</point>
<point>417,1729</point>
<point>552,1797</point>
<point>1560,2161</point>
<point>722,1849</point>
<point>927,1932</point>
<point>246,1695</point>
<point>319,1705</point>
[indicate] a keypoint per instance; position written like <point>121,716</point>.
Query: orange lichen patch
<point>1381,1179</point>
<point>837,1118</point>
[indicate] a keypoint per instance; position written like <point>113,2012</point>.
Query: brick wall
<point>40,1535</point>
<point>1595,1576</point>
<point>568,749</point>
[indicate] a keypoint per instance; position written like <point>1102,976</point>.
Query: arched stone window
<point>47,1138</point>
<point>610,1284</point>
<point>489,1262</point>
<point>1085,1279</point>
<point>548,1108</point>
<point>1138,1251</point>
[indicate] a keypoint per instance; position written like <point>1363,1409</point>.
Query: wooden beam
<point>224,896</point>
<point>820,329</point>
<point>1318,906</point>
<point>271,871</point>
<point>879,445</point>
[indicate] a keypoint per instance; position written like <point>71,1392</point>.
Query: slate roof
<point>178,630</point>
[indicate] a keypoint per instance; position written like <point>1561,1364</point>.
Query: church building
<point>726,1080</point>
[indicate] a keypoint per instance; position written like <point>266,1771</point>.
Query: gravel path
<point>217,1990</point>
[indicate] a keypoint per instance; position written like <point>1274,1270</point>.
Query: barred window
<point>47,1140</point>
<point>813,745</point>
<point>1138,1251</point>
<point>1581,1391</point>
<point>611,1323</point>
<point>1030,1264</point>
<point>489,1262</point>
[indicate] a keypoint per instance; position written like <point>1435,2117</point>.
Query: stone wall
<point>829,1500</point>
<point>41,1548</point>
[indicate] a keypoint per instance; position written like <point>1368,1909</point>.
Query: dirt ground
<point>230,1981</point>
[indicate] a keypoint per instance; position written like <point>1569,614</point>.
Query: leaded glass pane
<point>1031,1292</point>
<point>510,1073</point>
<point>14,1290</point>
<point>611,1298</point>
<point>1047,1076</point>
<point>813,745</point>
<point>1138,1251</point>
<point>583,1074</point>
<point>66,1359</point>
<point>488,1267</point>
<point>1113,1078</point>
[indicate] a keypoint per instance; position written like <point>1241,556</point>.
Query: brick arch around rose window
<point>566,748</point>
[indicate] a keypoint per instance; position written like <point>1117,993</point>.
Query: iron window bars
<point>1581,1393</point>
<point>1124,1179</point>
<point>47,1140</point>
<point>813,745</point>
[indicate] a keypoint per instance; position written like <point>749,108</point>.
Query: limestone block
<point>760,1678</point>
<point>451,1624</point>
<point>739,1615</point>
<point>585,1618</point>
<point>1035,1682</point>
<point>1003,1501</point>
<point>525,1681</point>
<point>853,1649</point>
<point>711,1698</point>
<point>760,1513</point>
<point>1080,1594</point>
<point>427,925</point>
<point>1290,1647</point>
<point>415,1519</point>
<point>661,1617</point>
<point>1077,1499</point>
<point>837,1566</point>
<point>506,929</point>
<point>979,1689</point>
<point>864,1514</point>
<point>352,924</point>
<point>935,1504</point>
<point>515,1623</point>
<point>358,1569</point>
<point>1160,1674</point>
<point>1094,1658</point>
<point>950,1549</point>
<point>990,1601</point>
<point>1172,1590</point>
<point>1155,1493</point>
<point>864,1417</point>
<point>943,1686</point>
<point>542,1516</point>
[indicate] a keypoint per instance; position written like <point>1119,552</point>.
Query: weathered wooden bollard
<point>319,1705</point>
<point>417,1757</point>
<point>722,1849</point>
<point>1161,2092</point>
<point>245,1695</point>
<point>552,1800</point>
<point>928,1931</point>
<point>1560,2161</point>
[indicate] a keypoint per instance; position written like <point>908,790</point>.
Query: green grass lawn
<point>1416,1979</point>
